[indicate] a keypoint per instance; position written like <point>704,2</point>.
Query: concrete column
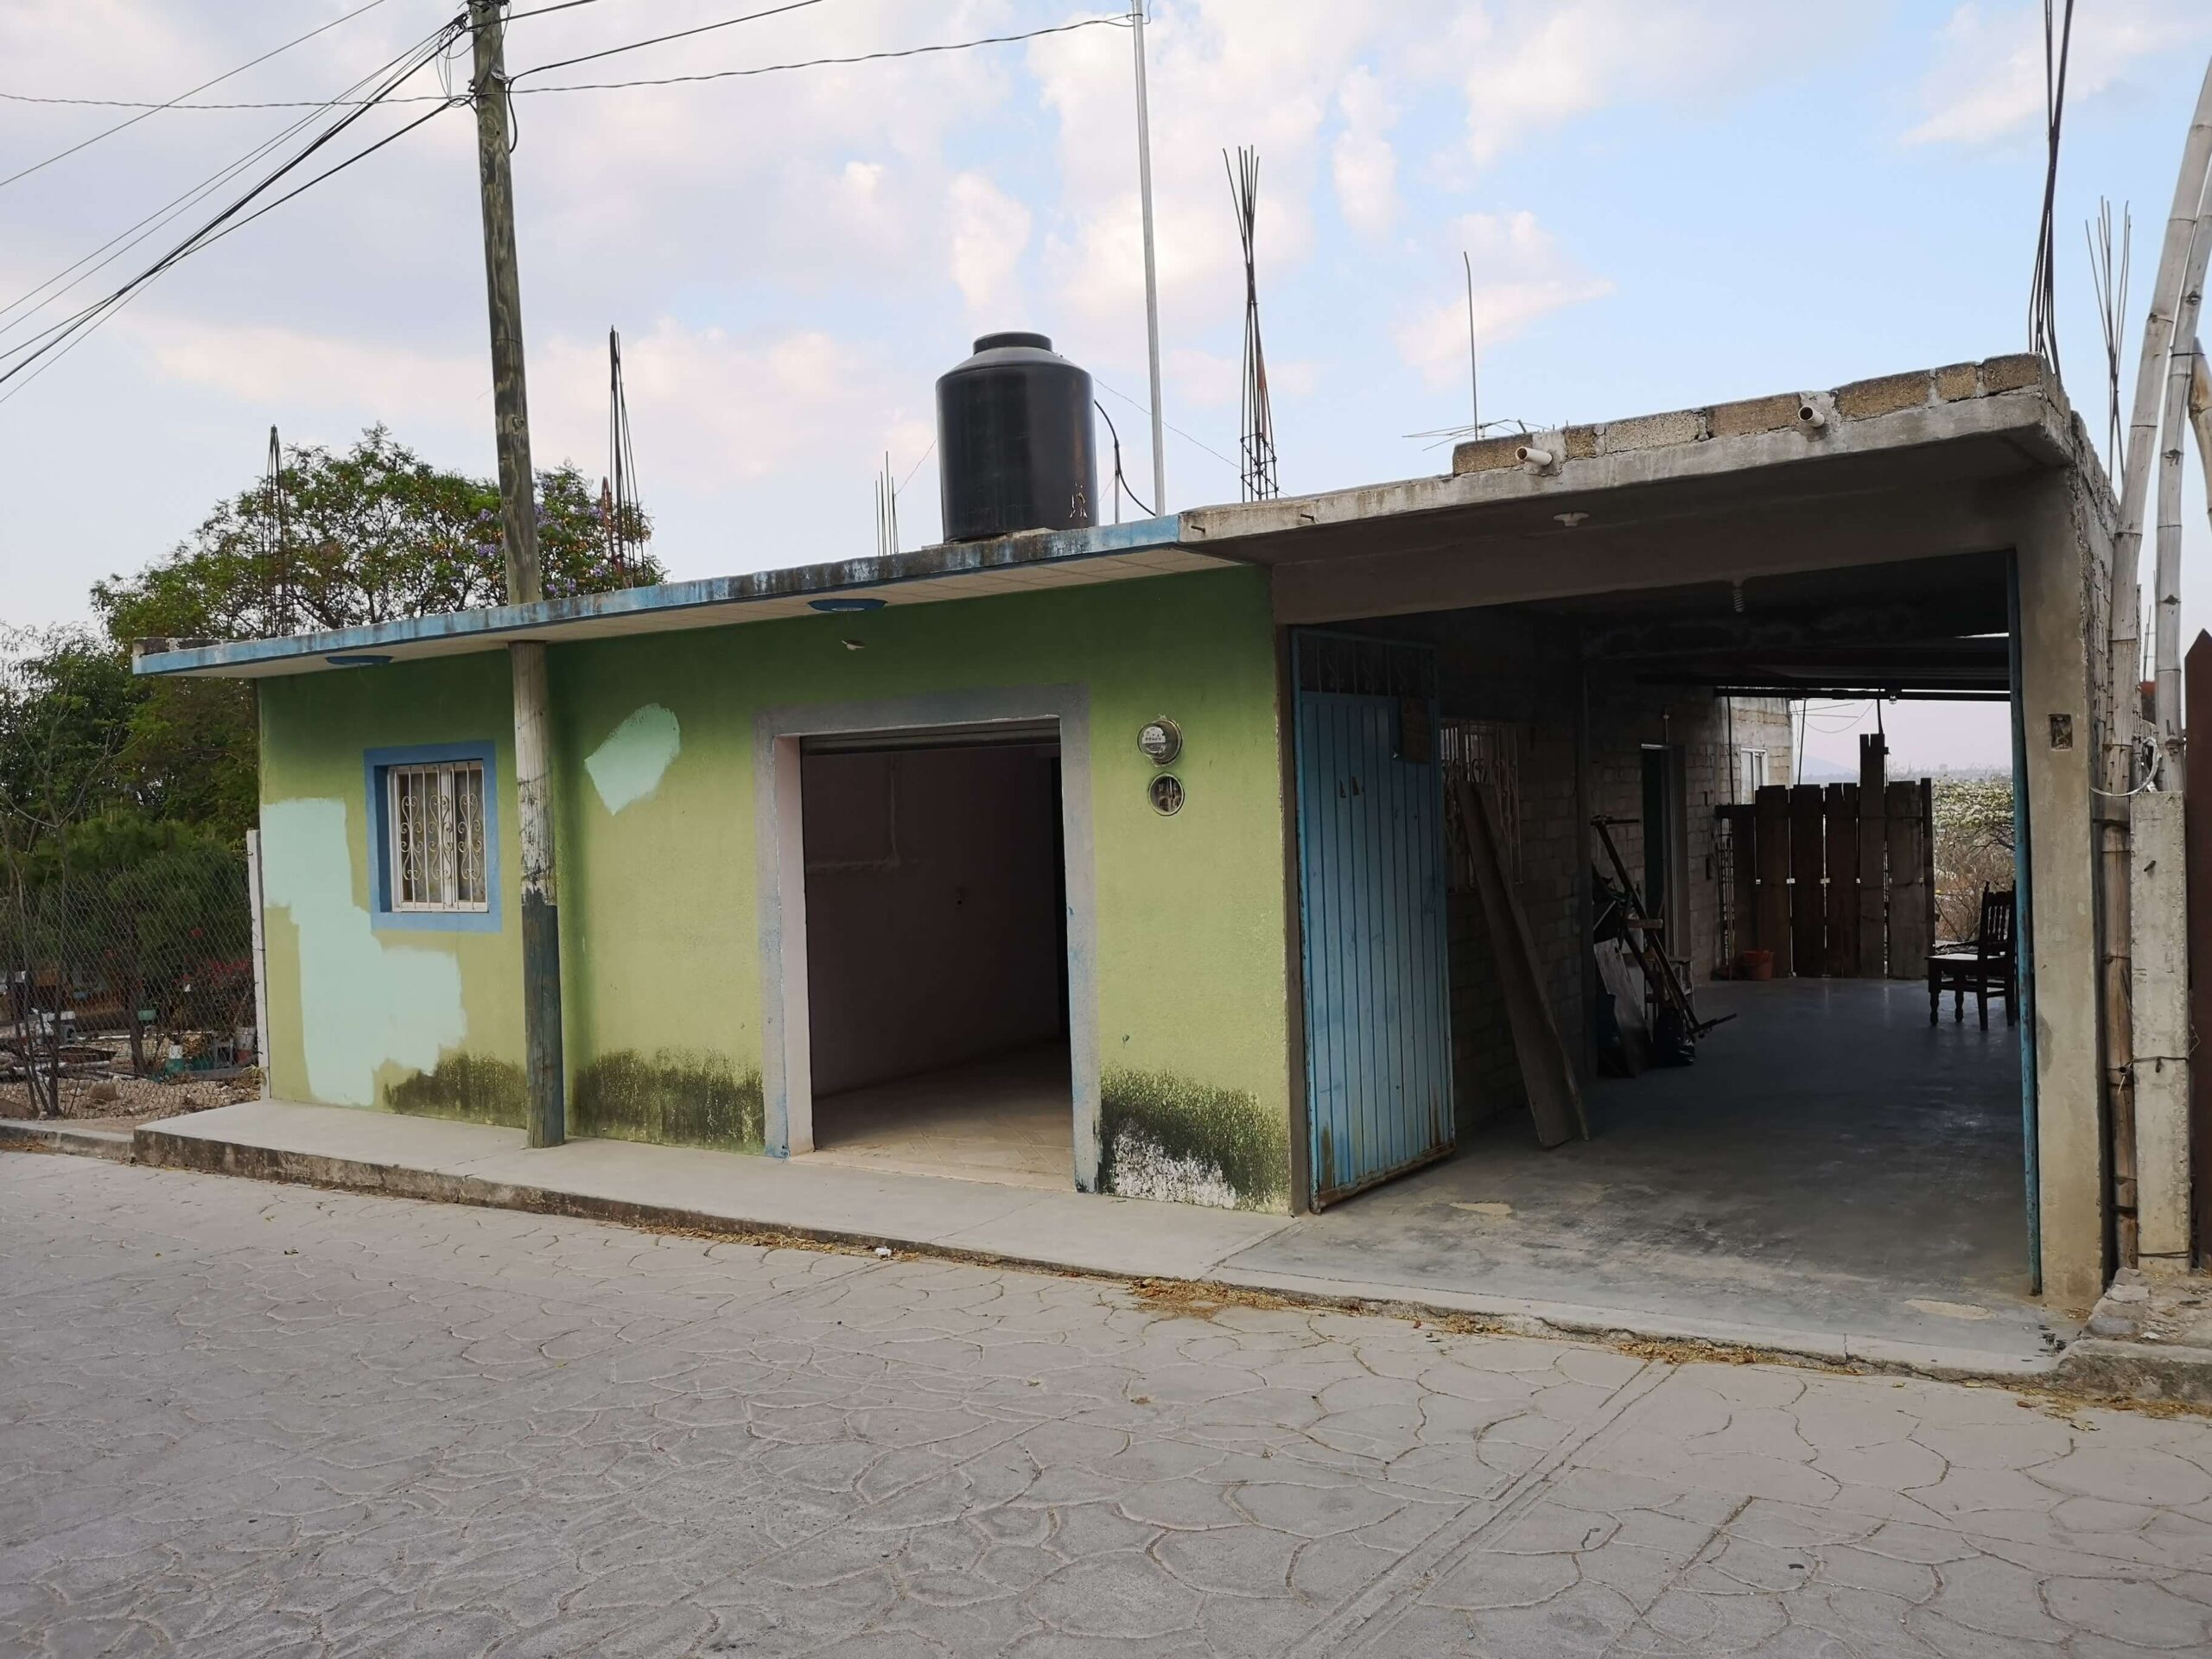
<point>2053,546</point>
<point>2160,996</point>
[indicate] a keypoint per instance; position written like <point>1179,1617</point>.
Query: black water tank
<point>1014,442</point>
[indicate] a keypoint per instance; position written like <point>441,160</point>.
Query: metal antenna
<point>887,510</point>
<point>618,504</point>
<point>2109,276</point>
<point>1151,267</point>
<point>280,541</point>
<point>1256,415</point>
<point>2042,289</point>
<point>1474,377</point>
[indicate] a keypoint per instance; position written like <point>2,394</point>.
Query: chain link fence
<point>126,984</point>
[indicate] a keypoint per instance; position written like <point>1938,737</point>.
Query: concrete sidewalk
<point>625,1181</point>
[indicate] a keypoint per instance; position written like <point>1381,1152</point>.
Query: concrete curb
<point>2137,1371</point>
<point>157,1147</point>
<point>114,1145</point>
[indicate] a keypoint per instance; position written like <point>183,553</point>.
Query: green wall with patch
<point>654,745</point>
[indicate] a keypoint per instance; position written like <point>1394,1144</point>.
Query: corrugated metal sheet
<point>1372,881</point>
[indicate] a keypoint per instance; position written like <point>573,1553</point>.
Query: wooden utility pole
<point>547,1103</point>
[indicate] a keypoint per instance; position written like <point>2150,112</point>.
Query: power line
<point>84,267</point>
<point>173,102</point>
<point>615,86</point>
<point>662,40</point>
<point>1226,461</point>
<point>819,63</point>
<point>44,347</point>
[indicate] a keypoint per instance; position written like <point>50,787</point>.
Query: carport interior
<point>1830,1160</point>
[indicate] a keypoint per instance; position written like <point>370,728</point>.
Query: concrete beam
<point>1469,569</point>
<point>2036,427</point>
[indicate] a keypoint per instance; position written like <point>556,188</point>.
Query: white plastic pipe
<point>1810,417</point>
<point>2166,590</point>
<point>1535,460</point>
<point>2126,591</point>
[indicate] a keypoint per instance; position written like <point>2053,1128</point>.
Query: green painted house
<point>1138,858</point>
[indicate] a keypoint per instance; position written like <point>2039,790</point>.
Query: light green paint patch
<point>628,766</point>
<point>363,1004</point>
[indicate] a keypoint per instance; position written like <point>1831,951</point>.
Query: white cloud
<point>709,408</point>
<point>1533,67</point>
<point>1521,276</point>
<point>1988,82</point>
<point>989,231</point>
<point>1365,165</point>
<point>277,366</point>
<point>1223,72</point>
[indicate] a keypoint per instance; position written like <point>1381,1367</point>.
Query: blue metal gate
<point>1371,910</point>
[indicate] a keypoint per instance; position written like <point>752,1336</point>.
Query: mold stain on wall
<point>1166,1137</point>
<point>681,1097</point>
<point>473,1088</point>
<point>628,766</point>
<point>364,1005</point>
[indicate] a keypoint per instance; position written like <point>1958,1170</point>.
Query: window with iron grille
<point>435,817</point>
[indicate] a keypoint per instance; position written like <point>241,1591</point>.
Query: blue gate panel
<point>1371,881</point>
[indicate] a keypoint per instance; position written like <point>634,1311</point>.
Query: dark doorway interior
<point>937,959</point>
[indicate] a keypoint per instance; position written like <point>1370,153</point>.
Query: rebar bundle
<point>1257,446</point>
<point>618,507</point>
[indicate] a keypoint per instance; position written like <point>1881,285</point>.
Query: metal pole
<point>547,1099</point>
<point>1151,270</point>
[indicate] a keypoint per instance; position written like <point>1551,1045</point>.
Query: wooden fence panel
<point>1808,852</point>
<point>1842,805</point>
<point>1873,888</point>
<point>1770,818</point>
<point>1908,853</point>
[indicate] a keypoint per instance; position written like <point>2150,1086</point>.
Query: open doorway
<point>1829,1158</point>
<point>935,907</point>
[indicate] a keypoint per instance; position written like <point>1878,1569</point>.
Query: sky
<point>1666,202</point>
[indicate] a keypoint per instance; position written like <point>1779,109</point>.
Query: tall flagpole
<point>1151,272</point>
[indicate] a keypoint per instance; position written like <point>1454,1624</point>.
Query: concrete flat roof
<point>1925,428</point>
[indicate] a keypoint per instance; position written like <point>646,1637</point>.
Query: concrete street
<point>238,1418</point>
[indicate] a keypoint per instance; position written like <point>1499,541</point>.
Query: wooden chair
<point>1990,962</point>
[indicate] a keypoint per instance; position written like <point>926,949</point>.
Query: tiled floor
<point>1008,1119</point>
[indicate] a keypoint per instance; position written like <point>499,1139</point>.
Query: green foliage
<point>65,703</point>
<point>142,912</point>
<point>1974,847</point>
<point>371,535</point>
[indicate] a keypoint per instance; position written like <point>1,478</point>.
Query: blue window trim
<point>375,763</point>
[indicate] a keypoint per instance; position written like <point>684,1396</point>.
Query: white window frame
<point>453,875</point>
<point>1751,771</point>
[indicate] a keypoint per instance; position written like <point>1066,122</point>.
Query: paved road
<point>242,1419</point>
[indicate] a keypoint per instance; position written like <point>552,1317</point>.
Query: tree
<point>372,535</point>
<point>65,721</point>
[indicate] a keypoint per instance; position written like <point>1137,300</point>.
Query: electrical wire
<point>173,103</point>
<point>662,40</point>
<point>170,210</point>
<point>44,347</point>
<point>1146,412</point>
<point>809,63</point>
<point>617,85</point>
